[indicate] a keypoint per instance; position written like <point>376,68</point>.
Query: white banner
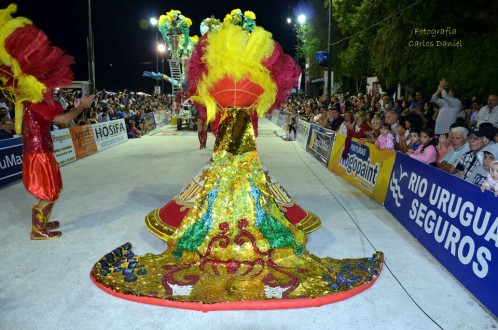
<point>110,133</point>
<point>63,146</point>
<point>303,129</point>
<point>161,118</point>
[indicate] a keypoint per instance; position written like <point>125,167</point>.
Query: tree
<point>416,43</point>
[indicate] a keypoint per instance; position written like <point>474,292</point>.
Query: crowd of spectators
<point>457,137</point>
<point>442,129</point>
<point>108,106</point>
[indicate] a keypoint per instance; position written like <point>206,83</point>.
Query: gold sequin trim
<point>310,223</point>
<point>156,226</point>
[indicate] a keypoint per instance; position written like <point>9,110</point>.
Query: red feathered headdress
<point>30,67</point>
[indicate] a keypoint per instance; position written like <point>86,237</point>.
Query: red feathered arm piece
<point>195,66</point>
<point>285,73</point>
<point>195,69</point>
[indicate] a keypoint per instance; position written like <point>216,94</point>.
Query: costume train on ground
<point>236,240</point>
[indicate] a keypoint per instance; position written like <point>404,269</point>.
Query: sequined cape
<point>234,249</point>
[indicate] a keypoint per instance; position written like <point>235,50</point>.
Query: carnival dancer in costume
<point>30,70</point>
<point>162,222</point>
<point>167,24</point>
<point>235,249</point>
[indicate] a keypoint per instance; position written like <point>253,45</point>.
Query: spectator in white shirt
<point>449,107</point>
<point>489,112</point>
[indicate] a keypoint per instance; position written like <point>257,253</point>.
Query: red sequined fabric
<point>36,127</point>
<point>41,175</point>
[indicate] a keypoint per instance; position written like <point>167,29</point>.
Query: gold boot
<point>39,219</point>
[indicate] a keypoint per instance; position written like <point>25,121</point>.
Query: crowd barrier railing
<point>451,218</point>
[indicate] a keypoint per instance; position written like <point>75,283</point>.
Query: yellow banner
<point>366,167</point>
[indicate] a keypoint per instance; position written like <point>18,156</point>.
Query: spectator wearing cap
<point>459,146</point>
<point>449,107</point>
<point>489,112</point>
<point>484,159</point>
<point>478,138</point>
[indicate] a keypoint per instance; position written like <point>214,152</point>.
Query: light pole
<point>153,22</point>
<point>301,19</point>
<point>329,50</point>
<point>91,52</point>
<point>161,48</point>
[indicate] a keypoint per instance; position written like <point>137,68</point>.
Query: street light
<point>301,19</point>
<point>161,48</point>
<point>153,22</point>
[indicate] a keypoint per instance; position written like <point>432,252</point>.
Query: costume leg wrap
<point>39,219</point>
<point>199,136</point>
<point>204,138</point>
<point>51,225</point>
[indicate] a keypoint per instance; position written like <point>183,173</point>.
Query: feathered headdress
<point>30,67</point>
<point>233,68</point>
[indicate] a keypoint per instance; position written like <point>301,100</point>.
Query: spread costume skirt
<point>164,221</point>
<point>233,247</point>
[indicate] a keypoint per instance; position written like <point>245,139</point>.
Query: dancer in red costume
<point>30,70</point>
<point>41,175</point>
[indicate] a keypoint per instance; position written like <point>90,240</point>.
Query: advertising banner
<point>83,140</point>
<point>10,161</point>
<point>110,133</point>
<point>63,146</point>
<point>151,122</point>
<point>366,167</point>
<point>320,143</point>
<point>452,219</point>
<point>303,129</point>
<point>160,118</point>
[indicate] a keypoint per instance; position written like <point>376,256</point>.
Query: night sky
<point>125,47</point>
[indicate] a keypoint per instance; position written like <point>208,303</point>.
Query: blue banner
<point>452,219</point>
<point>10,161</point>
<point>320,143</point>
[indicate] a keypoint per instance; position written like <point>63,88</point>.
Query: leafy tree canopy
<point>415,43</point>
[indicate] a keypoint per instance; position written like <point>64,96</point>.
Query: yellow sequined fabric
<point>234,244</point>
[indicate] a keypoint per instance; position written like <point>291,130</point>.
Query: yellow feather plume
<point>28,87</point>
<point>249,14</point>
<point>233,52</point>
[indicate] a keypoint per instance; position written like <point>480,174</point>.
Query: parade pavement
<point>46,284</point>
